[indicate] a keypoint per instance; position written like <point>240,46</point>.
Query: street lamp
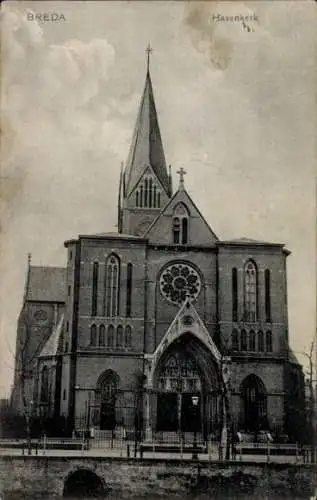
<point>195,400</point>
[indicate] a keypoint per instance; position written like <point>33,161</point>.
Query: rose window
<point>178,281</point>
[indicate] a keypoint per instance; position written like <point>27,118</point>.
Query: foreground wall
<point>29,476</point>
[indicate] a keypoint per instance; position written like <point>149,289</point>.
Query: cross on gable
<point>181,172</point>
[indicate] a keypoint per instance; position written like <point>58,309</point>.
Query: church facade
<point>140,326</point>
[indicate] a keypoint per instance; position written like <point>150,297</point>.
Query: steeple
<point>145,185</point>
<point>146,148</point>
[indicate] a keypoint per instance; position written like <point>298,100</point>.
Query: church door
<point>254,404</point>
<point>179,385</point>
<point>108,403</point>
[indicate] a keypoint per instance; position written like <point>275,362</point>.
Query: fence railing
<point>121,444</point>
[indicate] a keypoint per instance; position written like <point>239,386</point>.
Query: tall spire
<point>146,148</point>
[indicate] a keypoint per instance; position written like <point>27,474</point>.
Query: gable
<point>148,182</point>
<point>186,320</point>
<point>199,232</point>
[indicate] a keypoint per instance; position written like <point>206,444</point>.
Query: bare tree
<point>310,372</point>
<point>25,359</point>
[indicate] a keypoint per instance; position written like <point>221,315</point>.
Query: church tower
<point>145,183</point>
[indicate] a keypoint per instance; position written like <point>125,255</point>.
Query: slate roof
<point>146,147</point>
<point>293,359</point>
<point>46,284</point>
<point>113,234</point>
<point>249,241</point>
<point>52,345</point>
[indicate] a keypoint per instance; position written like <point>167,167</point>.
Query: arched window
<point>158,200</point>
<point>129,289</point>
<point>127,337</point>
<point>147,194</point>
<point>234,294</point>
<point>102,336</point>
<point>255,404</point>
<point>141,196</point>
<point>260,341</point>
<point>150,192</point>
<point>119,336</point>
<point>269,343</point>
<point>176,230</point>
<point>244,343</point>
<point>180,224</point>
<point>235,340</point>
<point>110,336</point>
<point>252,340</point>
<point>107,389</point>
<point>250,291</point>
<point>154,196</point>
<point>184,230</point>
<point>44,385</point>
<point>94,289</point>
<point>93,335</point>
<point>112,279</point>
<point>267,280</point>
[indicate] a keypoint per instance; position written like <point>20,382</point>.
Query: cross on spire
<point>181,172</point>
<point>149,51</point>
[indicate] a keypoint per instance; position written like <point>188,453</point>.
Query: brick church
<point>135,329</point>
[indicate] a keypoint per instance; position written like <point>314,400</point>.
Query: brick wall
<point>39,475</point>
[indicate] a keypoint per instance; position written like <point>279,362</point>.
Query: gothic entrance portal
<point>107,389</point>
<point>187,395</point>
<point>179,385</point>
<point>254,404</point>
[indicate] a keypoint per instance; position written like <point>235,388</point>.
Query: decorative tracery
<point>179,374</point>
<point>179,281</point>
<point>112,286</point>
<point>148,194</point>
<point>250,291</point>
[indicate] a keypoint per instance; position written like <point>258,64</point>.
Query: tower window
<point>234,294</point>
<point>110,336</point>
<point>93,335</point>
<point>235,340</point>
<point>94,289</point>
<point>119,336</point>
<point>127,339</point>
<point>252,340</point>
<point>102,336</point>
<point>260,341</point>
<point>129,289</point>
<point>147,194</point>
<point>180,224</point>
<point>250,291</point>
<point>267,279</point>
<point>269,343</point>
<point>112,279</point>
<point>244,343</point>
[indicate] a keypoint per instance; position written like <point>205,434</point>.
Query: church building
<point>147,325</point>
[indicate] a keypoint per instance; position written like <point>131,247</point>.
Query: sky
<point>236,108</point>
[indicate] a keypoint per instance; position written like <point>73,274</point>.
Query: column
<point>147,415</point>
